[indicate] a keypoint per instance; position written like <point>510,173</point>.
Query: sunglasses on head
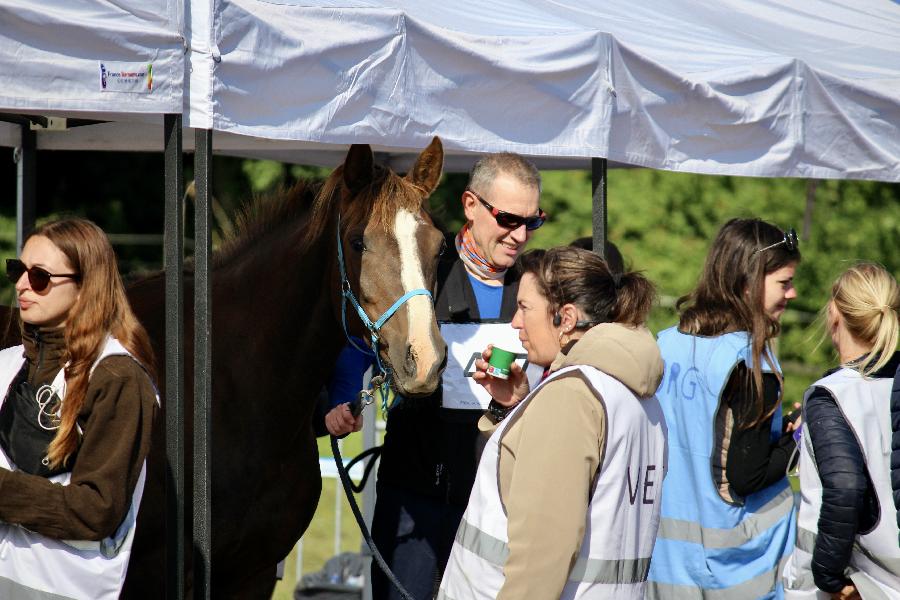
<point>790,241</point>
<point>511,221</point>
<point>38,278</point>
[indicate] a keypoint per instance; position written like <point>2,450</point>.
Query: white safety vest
<point>875,561</point>
<point>623,512</point>
<point>36,567</point>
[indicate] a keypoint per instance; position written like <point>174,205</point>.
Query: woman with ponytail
<point>78,404</point>
<point>566,498</point>
<point>728,511</point>
<point>847,534</point>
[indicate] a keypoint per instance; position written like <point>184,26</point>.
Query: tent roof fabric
<point>799,88</point>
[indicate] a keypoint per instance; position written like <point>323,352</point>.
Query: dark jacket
<point>428,449</point>
<point>895,442</point>
<point>849,504</point>
<point>117,418</point>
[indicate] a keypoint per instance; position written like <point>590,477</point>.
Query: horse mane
<point>262,214</point>
<point>375,203</point>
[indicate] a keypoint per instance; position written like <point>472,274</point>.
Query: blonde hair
<point>101,309</point>
<point>868,299</point>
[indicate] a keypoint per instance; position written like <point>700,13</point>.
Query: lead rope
<point>345,480</point>
<point>380,382</point>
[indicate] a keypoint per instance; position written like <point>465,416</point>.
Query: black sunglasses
<point>790,241</point>
<point>38,278</point>
<point>511,221</point>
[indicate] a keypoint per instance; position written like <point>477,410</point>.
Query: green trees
<point>663,223</point>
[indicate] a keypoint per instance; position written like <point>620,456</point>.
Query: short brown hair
<point>488,167</point>
<point>571,275</point>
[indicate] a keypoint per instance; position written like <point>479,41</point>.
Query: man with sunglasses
<point>428,461</point>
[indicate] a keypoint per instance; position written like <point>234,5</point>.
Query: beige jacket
<point>550,455</point>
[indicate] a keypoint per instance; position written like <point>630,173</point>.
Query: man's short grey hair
<point>490,166</point>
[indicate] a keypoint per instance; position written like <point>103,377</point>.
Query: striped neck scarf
<point>469,254</point>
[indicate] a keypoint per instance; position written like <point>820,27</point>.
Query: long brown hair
<point>730,294</point>
<point>571,275</point>
<point>100,310</point>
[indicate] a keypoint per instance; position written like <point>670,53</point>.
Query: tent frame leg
<point>203,154</point>
<point>173,261</point>
<point>25,156</point>
<point>599,214</point>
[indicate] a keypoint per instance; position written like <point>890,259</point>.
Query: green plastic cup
<point>500,362</point>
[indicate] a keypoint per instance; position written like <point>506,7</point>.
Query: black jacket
<point>895,442</point>
<point>428,449</point>
<point>849,504</point>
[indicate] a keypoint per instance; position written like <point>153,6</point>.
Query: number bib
<point>465,343</point>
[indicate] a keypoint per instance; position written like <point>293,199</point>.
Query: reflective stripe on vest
<point>480,551</point>
<point>590,570</point>
<point>748,529</point>
<point>760,586</point>
<point>707,547</point>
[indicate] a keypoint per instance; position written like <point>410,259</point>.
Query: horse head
<point>391,249</point>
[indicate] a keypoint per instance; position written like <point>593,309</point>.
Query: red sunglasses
<point>38,278</point>
<point>511,221</point>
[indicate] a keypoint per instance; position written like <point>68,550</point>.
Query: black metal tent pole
<point>26,182</point>
<point>598,187</point>
<point>202,363</point>
<point>174,385</point>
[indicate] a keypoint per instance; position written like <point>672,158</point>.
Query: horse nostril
<point>411,360</point>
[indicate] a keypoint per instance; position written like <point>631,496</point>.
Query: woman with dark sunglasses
<point>77,409</point>
<point>727,508</point>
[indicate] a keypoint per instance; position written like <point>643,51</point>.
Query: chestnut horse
<point>276,334</point>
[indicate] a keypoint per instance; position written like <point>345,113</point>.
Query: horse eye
<point>358,244</point>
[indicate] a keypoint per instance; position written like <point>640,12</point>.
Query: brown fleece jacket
<point>116,418</point>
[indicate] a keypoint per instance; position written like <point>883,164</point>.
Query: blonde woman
<point>847,531</point>
<point>76,411</point>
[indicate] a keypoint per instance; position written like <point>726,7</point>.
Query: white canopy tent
<point>801,88</point>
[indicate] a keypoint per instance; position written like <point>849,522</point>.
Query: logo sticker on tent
<point>136,78</point>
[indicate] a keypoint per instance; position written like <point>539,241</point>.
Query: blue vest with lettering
<point>706,546</point>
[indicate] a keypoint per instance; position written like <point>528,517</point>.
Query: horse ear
<point>359,167</point>
<point>426,173</point>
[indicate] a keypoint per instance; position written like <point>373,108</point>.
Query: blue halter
<point>383,380</point>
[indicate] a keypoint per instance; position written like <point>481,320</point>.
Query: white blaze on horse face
<point>420,309</point>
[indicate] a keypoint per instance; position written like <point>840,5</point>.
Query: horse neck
<point>277,298</point>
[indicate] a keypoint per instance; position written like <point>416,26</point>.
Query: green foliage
<point>664,222</point>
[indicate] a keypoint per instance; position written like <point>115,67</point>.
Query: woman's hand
<point>848,593</point>
<point>794,419</point>
<point>506,392</point>
<point>340,421</point>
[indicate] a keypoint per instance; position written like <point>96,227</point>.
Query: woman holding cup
<point>588,442</point>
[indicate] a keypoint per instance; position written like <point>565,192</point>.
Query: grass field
<point>318,542</point>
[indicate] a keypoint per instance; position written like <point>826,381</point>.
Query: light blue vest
<point>707,547</point>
